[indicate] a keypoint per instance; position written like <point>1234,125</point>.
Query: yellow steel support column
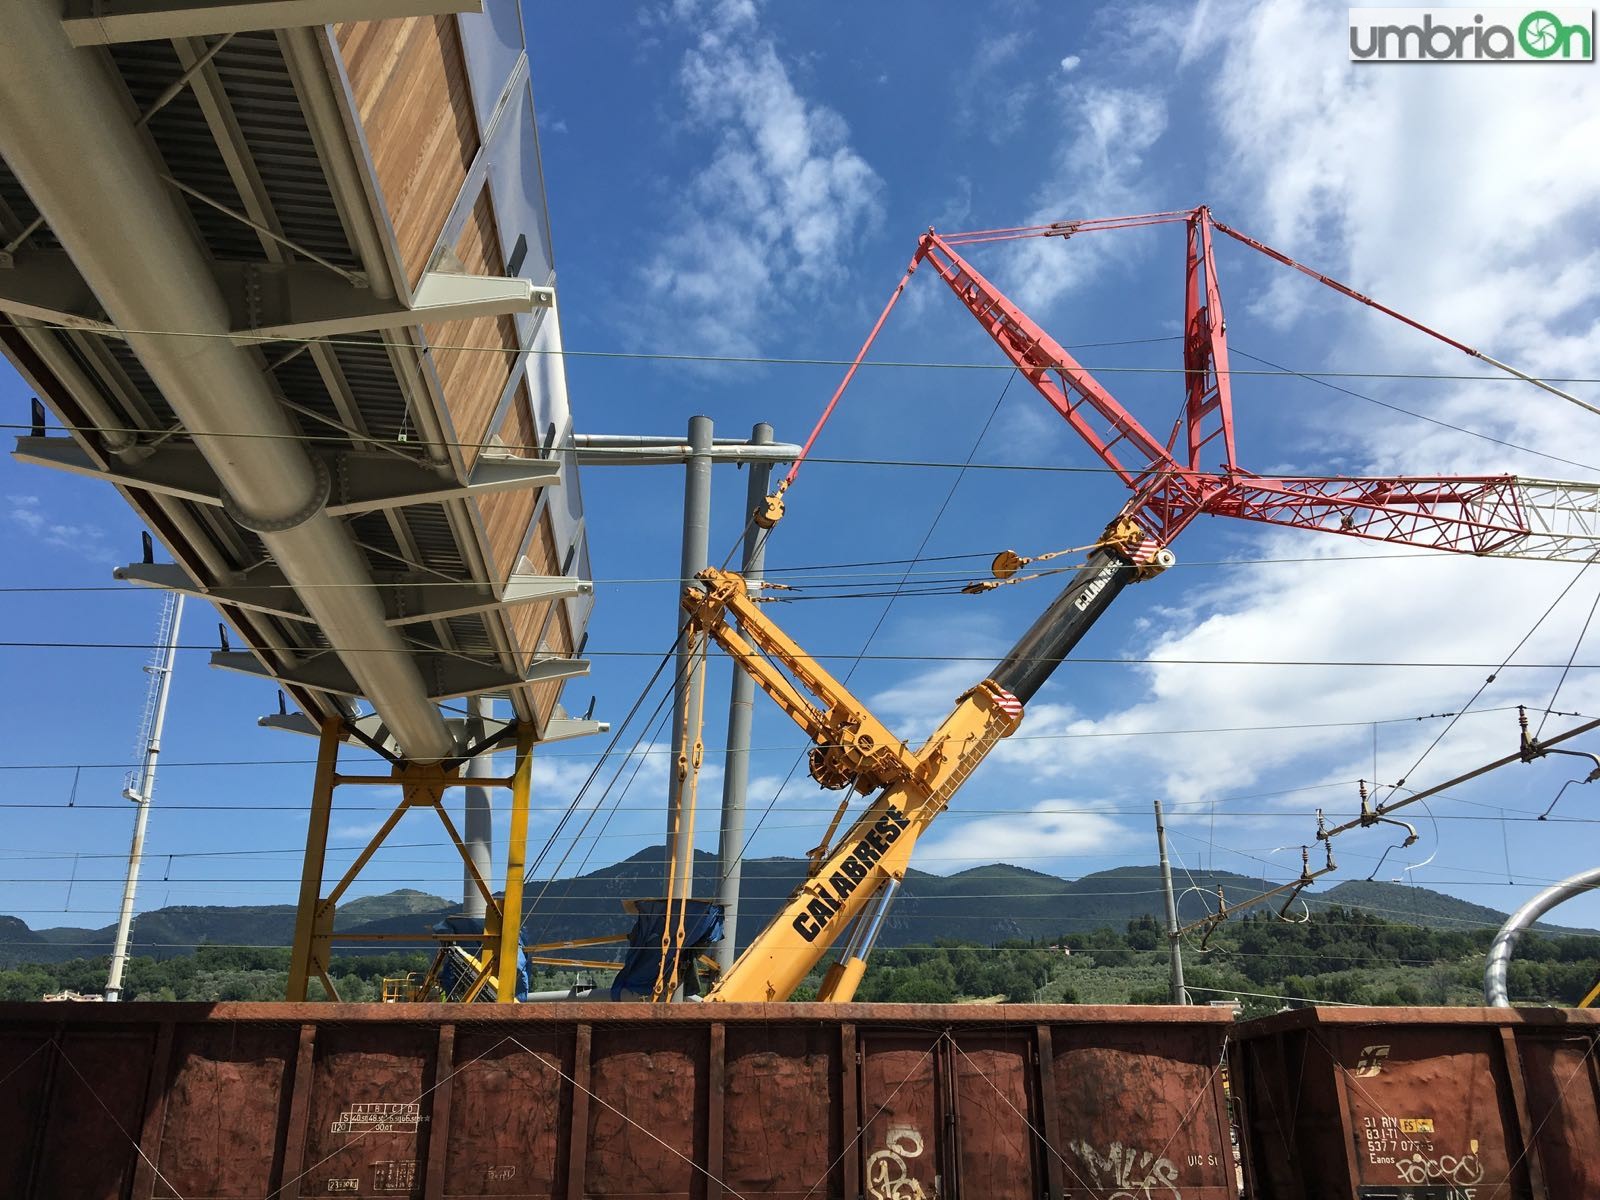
<point>302,962</point>
<point>422,785</point>
<point>509,949</point>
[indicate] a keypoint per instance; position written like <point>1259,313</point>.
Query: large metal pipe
<point>741,714</point>
<point>623,440</point>
<point>688,683</point>
<point>606,449</point>
<point>1061,626</point>
<point>121,224</point>
<point>477,825</point>
<point>1494,975</point>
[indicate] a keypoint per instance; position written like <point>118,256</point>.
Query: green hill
<point>986,904</point>
<point>1418,906</point>
<point>178,929</point>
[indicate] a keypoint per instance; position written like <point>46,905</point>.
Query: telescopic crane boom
<point>851,883</point>
<point>855,879</point>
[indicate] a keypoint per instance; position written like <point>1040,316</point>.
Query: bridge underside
<point>345,326</point>
<point>281,274</point>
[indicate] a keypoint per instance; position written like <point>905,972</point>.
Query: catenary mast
<point>141,783</point>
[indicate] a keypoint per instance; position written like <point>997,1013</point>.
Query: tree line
<point>1339,955</point>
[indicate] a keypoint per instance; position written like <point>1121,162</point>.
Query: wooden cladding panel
<point>546,560</point>
<point>507,515</point>
<point>557,641</point>
<point>528,620</point>
<point>475,357</point>
<point>558,638</point>
<point>517,434</point>
<point>542,552</point>
<point>505,518</point>
<point>409,77</point>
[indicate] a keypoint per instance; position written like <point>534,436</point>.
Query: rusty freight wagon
<point>894,1102</point>
<point>1420,1104</point>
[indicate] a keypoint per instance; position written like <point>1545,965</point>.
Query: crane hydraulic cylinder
<point>1061,626</point>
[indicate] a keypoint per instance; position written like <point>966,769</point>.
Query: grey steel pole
<point>741,712</point>
<point>141,792</point>
<point>686,692</point>
<point>1179,996</point>
<point>477,827</point>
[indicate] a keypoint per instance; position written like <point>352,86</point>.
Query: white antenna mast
<point>141,782</point>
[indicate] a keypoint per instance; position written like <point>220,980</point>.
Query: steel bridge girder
<point>98,23</point>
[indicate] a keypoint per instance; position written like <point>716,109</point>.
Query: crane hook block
<point>770,511</point>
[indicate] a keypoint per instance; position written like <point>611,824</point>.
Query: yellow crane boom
<point>853,749</point>
<point>852,880</point>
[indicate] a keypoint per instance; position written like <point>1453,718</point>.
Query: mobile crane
<point>851,882</point>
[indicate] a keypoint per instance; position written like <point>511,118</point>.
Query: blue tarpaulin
<point>454,977</point>
<point>702,927</point>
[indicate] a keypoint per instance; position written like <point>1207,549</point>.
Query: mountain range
<point>984,904</point>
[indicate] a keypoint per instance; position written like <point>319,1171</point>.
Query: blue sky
<point>750,180</point>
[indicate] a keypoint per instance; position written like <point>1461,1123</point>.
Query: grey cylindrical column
<point>741,713</point>
<point>686,692</point>
<point>477,826</point>
<point>1175,947</point>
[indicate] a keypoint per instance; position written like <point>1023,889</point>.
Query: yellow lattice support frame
<point>422,785</point>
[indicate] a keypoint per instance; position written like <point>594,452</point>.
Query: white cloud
<point>774,213</point>
<point>358,831</point>
<point>1032,836</point>
<point>29,515</point>
<point>1422,188</point>
<point>953,211</point>
<point>1071,63</point>
<point>915,707</point>
<point>1328,609</point>
<point>1098,170</point>
<point>996,51</point>
<point>1144,35</point>
<point>997,92</point>
<point>1424,184</point>
<point>641,775</point>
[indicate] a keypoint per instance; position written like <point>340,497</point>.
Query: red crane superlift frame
<point>1196,469</point>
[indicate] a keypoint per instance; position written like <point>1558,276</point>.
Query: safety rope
<point>688,771</point>
<point>775,501</point>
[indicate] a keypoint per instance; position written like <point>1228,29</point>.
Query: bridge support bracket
<point>407,600</point>
<point>360,481</point>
